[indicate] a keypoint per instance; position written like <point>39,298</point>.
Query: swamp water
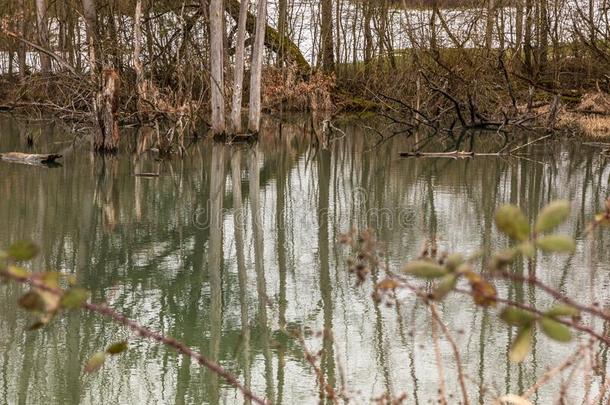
<point>177,253</point>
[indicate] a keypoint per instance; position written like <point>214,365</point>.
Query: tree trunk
<point>273,41</point>
<point>527,37</point>
<point>489,25</point>
<point>113,52</point>
<point>326,32</point>
<point>432,28</point>
<point>43,34</point>
<point>21,47</point>
<point>544,35</point>
<point>216,66</point>
<point>137,51</point>
<point>137,39</point>
<point>239,68</point>
<point>257,67</point>
<point>106,106</point>
<point>518,25</point>
<point>90,12</point>
<point>368,36</point>
<point>281,29</point>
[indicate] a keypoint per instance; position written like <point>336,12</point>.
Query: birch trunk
<point>239,68</point>
<point>257,68</point>
<point>43,34</point>
<point>216,66</point>
<point>137,51</point>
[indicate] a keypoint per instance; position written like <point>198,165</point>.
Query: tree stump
<point>106,137</point>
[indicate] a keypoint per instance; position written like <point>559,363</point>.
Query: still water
<point>233,249</point>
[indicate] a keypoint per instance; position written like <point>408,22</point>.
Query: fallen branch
<point>531,143</point>
<point>454,154</point>
<point>52,54</point>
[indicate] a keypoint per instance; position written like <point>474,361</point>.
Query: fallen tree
<point>273,39</point>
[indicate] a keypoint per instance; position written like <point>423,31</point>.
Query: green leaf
<point>95,362</point>
<point>556,243</point>
<point>424,269</point>
<point>74,298</point>
<point>511,221</point>
<point>22,250</point>
<point>445,286</point>
<point>453,261</point>
<point>521,345</point>
<point>552,216</point>
<point>3,257</point>
<point>517,317</point>
<point>117,348</point>
<point>555,330</point>
<point>32,301</point>
<point>562,310</point>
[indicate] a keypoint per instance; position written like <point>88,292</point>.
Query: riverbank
<point>404,94</point>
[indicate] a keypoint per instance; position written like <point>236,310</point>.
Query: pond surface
<point>233,249</point>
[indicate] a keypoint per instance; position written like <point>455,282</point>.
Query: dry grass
<point>288,90</point>
<point>597,126</point>
<point>591,118</point>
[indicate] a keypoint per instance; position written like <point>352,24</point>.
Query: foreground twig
<point>142,331</point>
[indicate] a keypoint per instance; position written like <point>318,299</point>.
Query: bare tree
<point>238,77</point>
<point>43,34</point>
<point>257,68</point>
<point>327,48</point>
<point>217,65</point>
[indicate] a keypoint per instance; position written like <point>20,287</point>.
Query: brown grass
<point>591,117</point>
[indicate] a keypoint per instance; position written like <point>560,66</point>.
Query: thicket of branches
<point>473,64</point>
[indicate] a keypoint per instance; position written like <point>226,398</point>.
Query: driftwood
<point>453,154</point>
<point>30,158</point>
<point>147,174</point>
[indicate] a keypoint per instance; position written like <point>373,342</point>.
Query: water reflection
<point>234,248</point>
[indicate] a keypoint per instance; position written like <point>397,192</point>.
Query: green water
<point>234,248</point>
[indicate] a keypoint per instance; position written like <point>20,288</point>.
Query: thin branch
<point>139,330</point>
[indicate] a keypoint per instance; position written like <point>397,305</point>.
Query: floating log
<point>30,158</point>
<point>453,154</point>
<point>245,137</point>
<point>146,174</point>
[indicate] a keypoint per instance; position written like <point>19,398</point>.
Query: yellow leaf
<point>521,345</point>
<point>512,399</point>
<point>424,269</point>
<point>387,284</point>
<point>95,362</point>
